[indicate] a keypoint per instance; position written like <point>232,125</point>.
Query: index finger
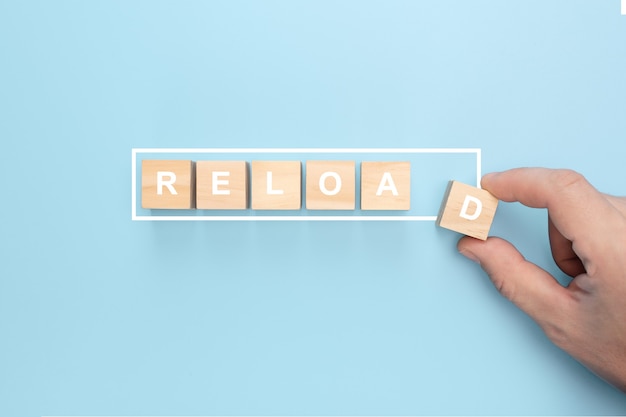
<point>579,212</point>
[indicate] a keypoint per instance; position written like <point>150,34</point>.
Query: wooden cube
<point>330,185</point>
<point>167,184</point>
<point>276,185</point>
<point>385,186</point>
<point>468,210</point>
<point>222,185</point>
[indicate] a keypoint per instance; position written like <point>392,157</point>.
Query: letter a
<point>168,183</point>
<point>387,184</point>
<point>479,207</point>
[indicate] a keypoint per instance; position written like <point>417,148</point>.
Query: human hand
<point>587,232</point>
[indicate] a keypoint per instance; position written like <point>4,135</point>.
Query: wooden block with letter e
<point>468,210</point>
<point>276,185</point>
<point>330,185</point>
<point>385,186</point>
<point>222,185</point>
<point>167,184</point>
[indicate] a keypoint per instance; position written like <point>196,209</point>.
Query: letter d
<point>479,207</point>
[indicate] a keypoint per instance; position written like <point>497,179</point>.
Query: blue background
<point>101,315</point>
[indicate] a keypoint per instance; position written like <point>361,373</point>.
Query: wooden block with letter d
<point>167,184</point>
<point>468,210</point>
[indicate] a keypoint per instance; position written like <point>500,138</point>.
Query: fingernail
<point>470,255</point>
<point>488,177</point>
<point>490,174</point>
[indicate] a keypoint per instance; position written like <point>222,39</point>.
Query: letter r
<point>161,181</point>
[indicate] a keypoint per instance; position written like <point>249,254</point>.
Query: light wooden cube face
<point>167,184</point>
<point>385,186</point>
<point>276,185</point>
<point>468,210</point>
<point>330,185</point>
<point>222,185</point>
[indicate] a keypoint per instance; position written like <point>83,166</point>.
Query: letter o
<point>325,190</point>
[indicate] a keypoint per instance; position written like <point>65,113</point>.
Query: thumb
<point>528,286</point>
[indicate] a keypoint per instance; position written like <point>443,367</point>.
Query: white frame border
<point>136,151</point>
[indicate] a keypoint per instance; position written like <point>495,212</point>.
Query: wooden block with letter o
<point>276,185</point>
<point>330,185</point>
<point>385,186</point>
<point>222,185</point>
<point>468,210</point>
<point>167,184</point>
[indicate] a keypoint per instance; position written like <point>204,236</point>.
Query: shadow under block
<point>385,186</point>
<point>330,185</point>
<point>276,185</point>
<point>222,185</point>
<point>468,210</point>
<point>167,184</point>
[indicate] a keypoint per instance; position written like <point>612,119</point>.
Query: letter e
<point>217,182</point>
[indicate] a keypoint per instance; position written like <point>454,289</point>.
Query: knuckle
<point>559,335</point>
<point>505,287</point>
<point>504,279</point>
<point>567,178</point>
<point>561,325</point>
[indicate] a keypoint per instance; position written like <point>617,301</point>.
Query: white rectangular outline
<point>137,151</point>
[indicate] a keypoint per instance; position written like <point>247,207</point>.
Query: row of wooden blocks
<point>330,185</point>
<point>274,185</point>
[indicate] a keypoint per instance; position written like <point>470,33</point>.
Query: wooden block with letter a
<point>167,184</point>
<point>222,185</point>
<point>276,185</point>
<point>468,210</point>
<point>385,186</point>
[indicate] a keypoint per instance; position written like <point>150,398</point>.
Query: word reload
<point>329,185</point>
<point>274,185</point>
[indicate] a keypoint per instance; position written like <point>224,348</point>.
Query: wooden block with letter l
<point>385,185</point>
<point>167,184</point>
<point>468,210</point>
<point>330,185</point>
<point>276,185</point>
<point>222,185</point>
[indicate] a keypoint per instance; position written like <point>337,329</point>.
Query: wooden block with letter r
<point>167,184</point>
<point>468,210</point>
